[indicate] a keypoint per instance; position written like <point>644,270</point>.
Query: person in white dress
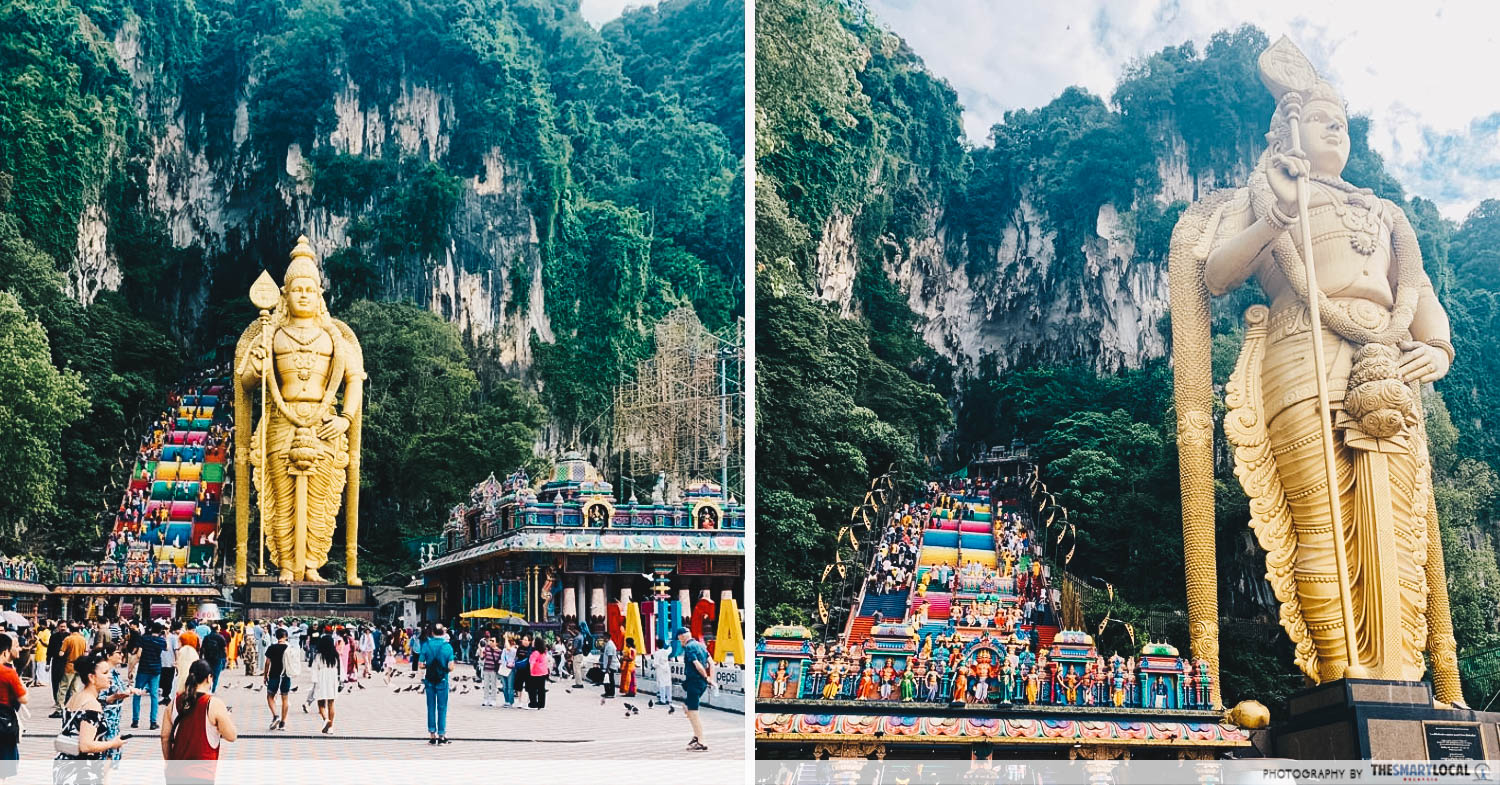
<point>325,678</point>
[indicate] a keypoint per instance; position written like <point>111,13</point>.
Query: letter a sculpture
<point>304,446</point>
<point>1324,405</point>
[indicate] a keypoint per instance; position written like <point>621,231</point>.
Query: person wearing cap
<point>697,670</point>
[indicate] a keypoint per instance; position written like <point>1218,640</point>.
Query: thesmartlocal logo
<point>1467,770</point>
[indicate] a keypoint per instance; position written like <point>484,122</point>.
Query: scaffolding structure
<point>683,413</point>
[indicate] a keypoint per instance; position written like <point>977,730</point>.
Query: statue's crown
<point>304,263</point>
<point>1284,69</point>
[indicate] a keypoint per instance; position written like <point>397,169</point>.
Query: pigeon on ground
<point>671,709</point>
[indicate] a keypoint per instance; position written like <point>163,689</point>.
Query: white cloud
<point>1421,72</point>
<point>598,12</point>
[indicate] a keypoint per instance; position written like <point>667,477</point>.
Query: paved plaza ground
<point>378,723</point>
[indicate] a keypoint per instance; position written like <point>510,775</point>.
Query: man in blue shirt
<point>436,657</point>
<point>697,670</point>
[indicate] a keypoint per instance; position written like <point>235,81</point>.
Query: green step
<point>213,472</point>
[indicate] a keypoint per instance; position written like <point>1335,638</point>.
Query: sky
<point>597,12</point>
<point>1423,72</point>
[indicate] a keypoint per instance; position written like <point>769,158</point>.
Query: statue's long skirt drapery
<point>325,488</point>
<point>1383,488</point>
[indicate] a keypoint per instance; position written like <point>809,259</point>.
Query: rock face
<point>1016,302</point>
<point>203,202</point>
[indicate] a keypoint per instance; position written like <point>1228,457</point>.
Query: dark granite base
<point>1373,719</point>
<point>265,598</point>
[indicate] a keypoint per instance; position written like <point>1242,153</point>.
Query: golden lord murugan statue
<point>1331,391</point>
<point>305,445</point>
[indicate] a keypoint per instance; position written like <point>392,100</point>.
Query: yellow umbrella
<point>492,613</point>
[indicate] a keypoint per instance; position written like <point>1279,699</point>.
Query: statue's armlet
<point>354,355</point>
<point>1229,258</point>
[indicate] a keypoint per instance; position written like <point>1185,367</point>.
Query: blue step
<point>891,606</point>
<point>932,628</point>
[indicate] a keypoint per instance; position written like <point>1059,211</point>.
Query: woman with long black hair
<point>196,723</point>
<point>326,675</point>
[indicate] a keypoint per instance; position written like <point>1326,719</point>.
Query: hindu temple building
<point>956,645</point>
<point>566,550</point>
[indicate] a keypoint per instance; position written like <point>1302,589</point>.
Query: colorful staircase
<point>186,478</point>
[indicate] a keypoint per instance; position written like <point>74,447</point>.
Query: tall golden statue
<point>1327,386</point>
<point>304,446</point>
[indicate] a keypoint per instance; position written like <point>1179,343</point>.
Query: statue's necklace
<point>303,358</point>
<point>1357,210</point>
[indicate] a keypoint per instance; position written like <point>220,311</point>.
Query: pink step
<point>938,604</point>
<point>977,527</point>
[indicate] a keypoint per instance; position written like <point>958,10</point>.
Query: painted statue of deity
<point>835,681</point>
<point>982,669</point>
<point>961,685</point>
<point>1383,335</point>
<point>305,446</point>
<point>866,688</point>
<point>908,686</point>
<point>779,681</point>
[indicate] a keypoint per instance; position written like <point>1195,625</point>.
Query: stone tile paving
<point>383,721</point>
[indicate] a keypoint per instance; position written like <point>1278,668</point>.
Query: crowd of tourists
<point>170,672</point>
<point>895,561</point>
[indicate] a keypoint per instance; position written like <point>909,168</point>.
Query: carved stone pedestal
<point>1374,719</point>
<point>265,598</point>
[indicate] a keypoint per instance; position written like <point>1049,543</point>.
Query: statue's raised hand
<point>1422,363</point>
<point>1282,174</point>
<point>333,427</point>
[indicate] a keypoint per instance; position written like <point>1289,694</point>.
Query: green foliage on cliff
<point>838,400</point>
<point>632,189</point>
<point>431,430</point>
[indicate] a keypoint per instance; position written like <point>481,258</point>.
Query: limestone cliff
<point>206,203</point>
<point>1012,300</point>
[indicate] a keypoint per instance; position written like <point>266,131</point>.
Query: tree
<point>430,431</point>
<point>37,404</point>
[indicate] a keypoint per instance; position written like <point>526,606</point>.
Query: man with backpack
<point>436,656</point>
<point>214,651</point>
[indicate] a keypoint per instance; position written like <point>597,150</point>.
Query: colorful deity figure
<point>927,648</point>
<point>779,681</point>
<point>1159,693</point>
<point>932,686</point>
<point>888,684</point>
<point>1069,682</point>
<point>835,681</point>
<point>961,685</point>
<point>908,686</point>
<point>866,689</point>
<point>983,667</point>
<point>1117,688</point>
<point>1033,686</point>
<point>1008,679</point>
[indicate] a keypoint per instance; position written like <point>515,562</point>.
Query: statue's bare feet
<point>312,576</point>
<point>285,576</point>
<point>355,581</point>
